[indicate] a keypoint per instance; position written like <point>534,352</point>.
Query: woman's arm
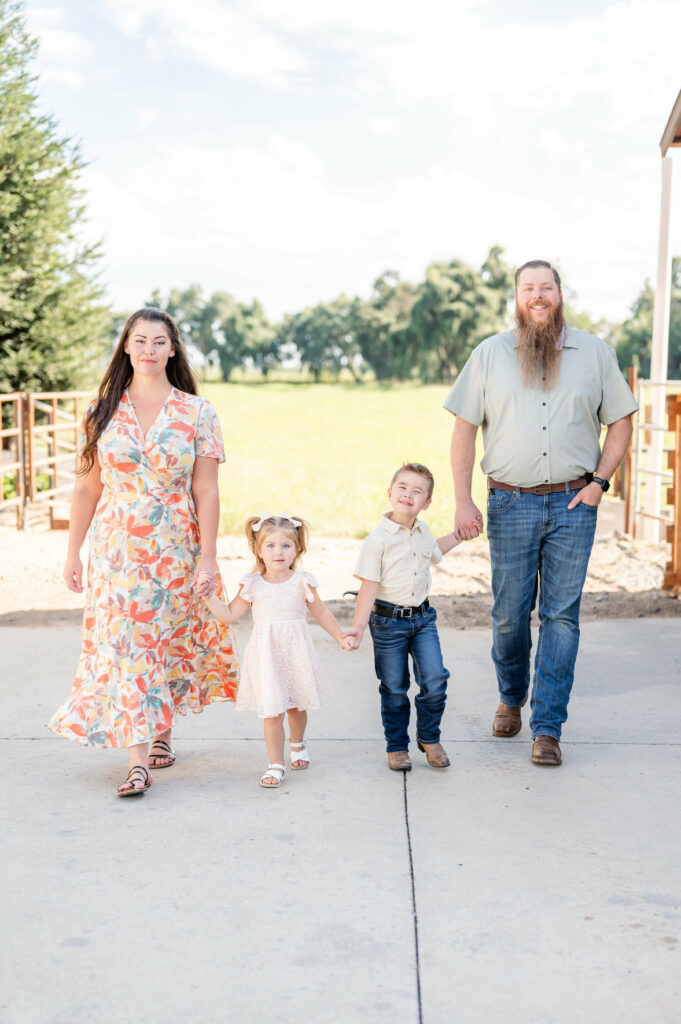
<point>321,614</point>
<point>207,502</point>
<point>86,493</point>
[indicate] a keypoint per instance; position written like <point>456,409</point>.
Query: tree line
<point>403,331</point>
<point>56,329</point>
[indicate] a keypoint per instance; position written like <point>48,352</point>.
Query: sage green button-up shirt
<point>535,437</point>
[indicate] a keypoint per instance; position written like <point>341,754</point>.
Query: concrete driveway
<point>494,891</point>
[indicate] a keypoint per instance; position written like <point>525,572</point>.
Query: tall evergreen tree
<point>52,319</point>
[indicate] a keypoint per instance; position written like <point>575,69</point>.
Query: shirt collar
<point>390,526</point>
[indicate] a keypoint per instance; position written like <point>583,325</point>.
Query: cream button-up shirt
<point>399,559</point>
<point>536,437</point>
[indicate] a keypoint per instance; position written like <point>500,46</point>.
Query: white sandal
<point>275,771</point>
<point>299,753</point>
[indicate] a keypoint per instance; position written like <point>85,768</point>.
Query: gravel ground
<point>624,579</point>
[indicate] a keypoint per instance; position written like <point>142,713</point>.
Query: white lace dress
<point>280,668</point>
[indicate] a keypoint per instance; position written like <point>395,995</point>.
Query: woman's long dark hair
<point>119,375</point>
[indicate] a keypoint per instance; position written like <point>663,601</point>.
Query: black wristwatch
<point>605,484</point>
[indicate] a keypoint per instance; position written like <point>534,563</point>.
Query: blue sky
<point>291,150</point>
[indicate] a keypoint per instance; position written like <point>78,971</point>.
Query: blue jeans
<point>394,640</point>
<point>537,545</point>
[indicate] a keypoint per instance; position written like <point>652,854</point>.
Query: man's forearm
<point>463,458</point>
<point>617,438</point>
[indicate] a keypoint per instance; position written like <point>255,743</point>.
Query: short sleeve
<point>369,561</point>
<point>209,435</point>
<point>247,590</point>
<point>435,553</point>
<point>618,400</point>
<point>309,583</point>
<point>467,397</point>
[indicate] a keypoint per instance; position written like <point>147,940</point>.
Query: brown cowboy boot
<point>507,720</point>
<point>399,761</point>
<point>546,750</point>
<point>436,755</point>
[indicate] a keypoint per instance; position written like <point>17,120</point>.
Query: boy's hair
<point>269,524</point>
<point>416,467</point>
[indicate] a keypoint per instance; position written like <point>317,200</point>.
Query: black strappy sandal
<point>136,790</point>
<point>164,750</point>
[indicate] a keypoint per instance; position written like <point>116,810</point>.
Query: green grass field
<point>327,451</point>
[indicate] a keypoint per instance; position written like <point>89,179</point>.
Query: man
<point>540,393</point>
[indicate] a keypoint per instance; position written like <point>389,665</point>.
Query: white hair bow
<point>263,519</point>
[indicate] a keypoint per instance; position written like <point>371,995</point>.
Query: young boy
<point>394,567</point>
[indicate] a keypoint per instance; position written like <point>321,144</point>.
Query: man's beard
<point>537,348</point>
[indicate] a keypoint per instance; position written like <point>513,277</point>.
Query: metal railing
<point>672,576</point>
<point>45,443</point>
<point>12,442</point>
<point>639,475</point>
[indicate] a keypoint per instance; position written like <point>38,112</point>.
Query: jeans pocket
<point>499,501</point>
<point>379,621</point>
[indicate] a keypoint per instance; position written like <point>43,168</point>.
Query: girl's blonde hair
<point>269,524</point>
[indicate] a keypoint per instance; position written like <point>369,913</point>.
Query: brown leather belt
<point>571,485</point>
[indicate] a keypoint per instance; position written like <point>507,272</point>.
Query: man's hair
<point>416,467</point>
<point>534,265</point>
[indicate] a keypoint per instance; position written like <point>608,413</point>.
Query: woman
<point>147,481</point>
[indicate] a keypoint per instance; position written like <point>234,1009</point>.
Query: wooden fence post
<point>629,503</point>
<point>672,576</point>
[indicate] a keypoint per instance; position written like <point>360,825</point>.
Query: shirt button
<point>543,428</point>
<point>543,453</point>
<point>546,481</point>
<point>543,403</point>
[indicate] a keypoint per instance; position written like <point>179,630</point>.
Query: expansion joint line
<point>413,902</point>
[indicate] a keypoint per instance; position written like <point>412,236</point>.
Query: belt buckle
<point>406,613</point>
<point>541,489</point>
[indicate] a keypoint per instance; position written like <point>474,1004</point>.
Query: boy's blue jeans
<point>394,640</point>
<point>538,545</point>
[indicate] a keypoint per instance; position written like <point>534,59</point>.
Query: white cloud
<point>545,136</point>
<point>224,39</point>
<point>144,117</point>
<point>387,127</point>
<point>268,221</point>
<point>63,55</point>
<point>442,50</point>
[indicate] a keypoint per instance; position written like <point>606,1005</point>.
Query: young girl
<point>280,671</point>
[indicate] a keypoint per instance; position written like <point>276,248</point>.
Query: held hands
<point>205,576</point>
<point>204,584</point>
<point>467,521</point>
<point>353,636</point>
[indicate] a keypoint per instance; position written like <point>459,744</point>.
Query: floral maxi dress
<point>149,651</point>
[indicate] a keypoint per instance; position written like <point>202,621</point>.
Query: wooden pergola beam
<point>672,133</point>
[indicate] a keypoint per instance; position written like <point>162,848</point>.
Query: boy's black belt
<point>400,611</point>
